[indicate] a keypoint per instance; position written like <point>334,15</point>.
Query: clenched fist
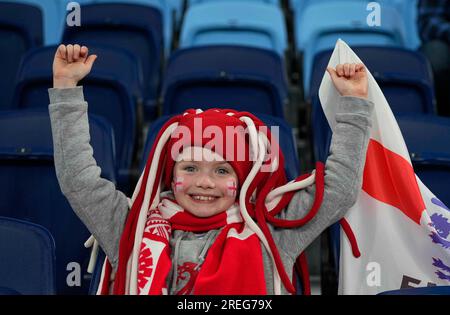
<point>350,79</point>
<point>70,65</point>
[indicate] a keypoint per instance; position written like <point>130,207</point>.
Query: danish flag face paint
<point>179,184</point>
<point>231,188</point>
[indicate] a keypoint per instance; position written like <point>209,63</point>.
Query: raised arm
<point>95,200</point>
<point>343,168</point>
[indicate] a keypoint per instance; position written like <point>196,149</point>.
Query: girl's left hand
<point>350,79</point>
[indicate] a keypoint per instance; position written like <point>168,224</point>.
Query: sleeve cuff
<point>355,105</point>
<point>69,95</point>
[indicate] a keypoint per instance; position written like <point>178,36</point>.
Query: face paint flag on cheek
<point>179,184</point>
<point>231,188</point>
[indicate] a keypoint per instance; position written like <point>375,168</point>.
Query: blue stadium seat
<point>108,90</point>
<point>242,78</point>
<point>31,190</point>
<point>20,30</point>
<point>122,65</point>
<point>137,28</point>
<point>285,136</point>
<point>247,23</point>
<point>52,12</point>
<point>117,63</point>
<point>28,258</point>
<point>169,9</point>
<point>407,9</point>
<point>428,140</point>
<point>321,23</point>
<point>54,16</point>
<point>404,76</point>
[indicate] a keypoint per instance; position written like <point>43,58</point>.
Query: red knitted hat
<point>218,130</point>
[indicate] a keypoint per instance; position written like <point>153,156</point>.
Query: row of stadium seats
<point>54,13</point>
<point>319,24</point>
<point>404,11</point>
<point>216,22</point>
<point>406,80</point>
<point>144,85</point>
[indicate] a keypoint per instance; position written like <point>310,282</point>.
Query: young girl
<point>210,214</point>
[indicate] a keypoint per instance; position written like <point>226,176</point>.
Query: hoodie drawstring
<point>351,237</point>
<point>209,240</point>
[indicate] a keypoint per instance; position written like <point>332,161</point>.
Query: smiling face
<point>204,187</point>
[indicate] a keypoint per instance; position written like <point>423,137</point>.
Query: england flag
<point>401,228</point>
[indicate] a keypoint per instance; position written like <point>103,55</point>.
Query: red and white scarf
<point>234,263</point>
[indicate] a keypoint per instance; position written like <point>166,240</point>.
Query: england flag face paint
<point>179,183</point>
<point>231,188</point>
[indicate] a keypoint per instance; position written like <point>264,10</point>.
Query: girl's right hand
<point>350,79</point>
<point>71,64</point>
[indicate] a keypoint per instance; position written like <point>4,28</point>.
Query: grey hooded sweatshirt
<point>104,209</point>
